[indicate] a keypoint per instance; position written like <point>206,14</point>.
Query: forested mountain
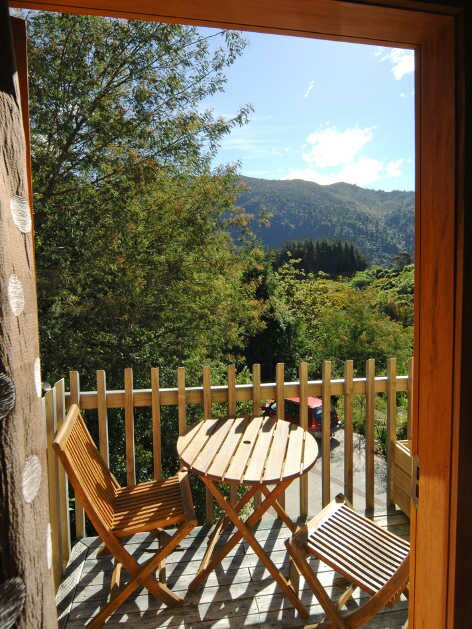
<point>380,224</point>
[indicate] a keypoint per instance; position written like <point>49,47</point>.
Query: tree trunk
<point>25,546</point>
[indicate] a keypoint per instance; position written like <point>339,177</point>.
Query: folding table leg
<point>224,521</point>
<point>253,519</point>
<point>246,532</point>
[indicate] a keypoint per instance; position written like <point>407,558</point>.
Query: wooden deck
<point>239,593</point>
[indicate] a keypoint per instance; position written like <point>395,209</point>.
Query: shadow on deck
<point>239,593</point>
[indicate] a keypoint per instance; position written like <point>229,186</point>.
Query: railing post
<point>326,433</point>
<point>411,366</point>
<point>280,389</point>
<point>256,390</point>
<point>62,485</point>
<point>49,412</point>
<point>181,400</point>
<point>370,435</point>
<point>156,423</point>
<point>303,376</point>
<point>79,510</point>
<point>129,427</point>
<point>102,415</point>
<point>209,504</point>
<point>391,425</point>
<point>207,412</point>
<point>348,430</point>
<point>256,408</point>
<point>233,490</point>
<point>280,398</point>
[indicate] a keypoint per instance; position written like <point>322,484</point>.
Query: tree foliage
<point>338,319</point>
<point>331,257</point>
<point>135,265</point>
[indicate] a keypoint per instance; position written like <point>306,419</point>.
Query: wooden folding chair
<point>118,512</point>
<point>368,556</point>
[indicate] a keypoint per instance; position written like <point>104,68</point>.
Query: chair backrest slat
<point>87,471</point>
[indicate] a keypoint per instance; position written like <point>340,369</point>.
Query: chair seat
<point>355,547</point>
<point>153,504</point>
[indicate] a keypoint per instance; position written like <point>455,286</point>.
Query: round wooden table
<point>258,453</point>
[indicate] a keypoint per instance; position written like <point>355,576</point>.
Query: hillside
<point>380,224</point>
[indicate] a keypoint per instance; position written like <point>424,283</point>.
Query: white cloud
<point>361,172</point>
<point>394,168</point>
<point>309,88</point>
<point>334,156</point>
<point>330,147</point>
<point>402,61</point>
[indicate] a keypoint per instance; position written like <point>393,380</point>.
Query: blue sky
<point>323,111</point>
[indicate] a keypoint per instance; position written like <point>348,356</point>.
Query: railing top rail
<point>219,393</point>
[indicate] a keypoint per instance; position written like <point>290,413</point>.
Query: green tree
<point>337,321</point>
<point>332,257</point>
<point>135,266</point>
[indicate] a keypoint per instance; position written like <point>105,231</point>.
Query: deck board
<point>239,593</point>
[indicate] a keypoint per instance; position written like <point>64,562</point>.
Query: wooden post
<point>369,434</point>
<point>256,390</point>
<point>182,400</point>
<point>79,510</point>
<point>50,417</point>
<point>256,409</point>
<point>280,397</point>
<point>24,519</point>
<point>209,504</point>
<point>279,382</point>
<point>326,433</point>
<point>129,427</point>
<point>62,484</point>
<point>391,425</point>
<point>207,412</point>
<point>348,430</point>
<point>411,405</point>
<point>233,490</point>
<point>102,415</point>
<point>156,424</point>
<point>303,376</point>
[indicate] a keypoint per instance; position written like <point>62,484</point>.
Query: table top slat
<point>310,452</point>
<point>189,445</point>
<point>242,454</point>
<point>226,452</point>
<point>216,435</point>
<point>276,459</point>
<point>293,458</point>
<point>255,468</point>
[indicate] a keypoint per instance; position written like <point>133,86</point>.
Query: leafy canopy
<point>135,266</point>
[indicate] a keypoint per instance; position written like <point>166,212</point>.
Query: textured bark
<point>24,513</point>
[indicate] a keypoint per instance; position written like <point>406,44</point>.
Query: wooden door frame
<point>432,31</point>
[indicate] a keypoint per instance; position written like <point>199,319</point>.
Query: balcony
<point>240,592</point>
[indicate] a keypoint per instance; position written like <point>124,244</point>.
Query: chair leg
<point>115,580</point>
<point>142,575</point>
<point>326,603</point>
<point>345,596</point>
<point>162,538</point>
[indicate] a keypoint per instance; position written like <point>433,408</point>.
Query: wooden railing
<point>57,400</point>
